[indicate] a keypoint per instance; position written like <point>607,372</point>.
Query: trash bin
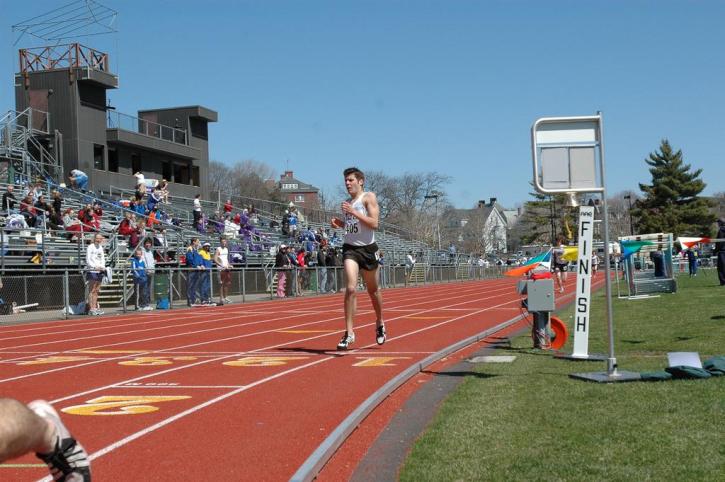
<point>161,289</point>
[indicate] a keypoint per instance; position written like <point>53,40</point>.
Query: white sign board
<point>567,133</point>
<point>567,152</point>
<point>583,292</point>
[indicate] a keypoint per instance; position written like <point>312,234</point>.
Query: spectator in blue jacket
<point>140,281</point>
<point>193,262</point>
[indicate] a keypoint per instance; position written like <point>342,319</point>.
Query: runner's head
<point>354,180</point>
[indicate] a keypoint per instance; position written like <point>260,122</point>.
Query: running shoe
<point>69,461</point>
<point>346,341</point>
<point>227,300</point>
<point>380,334</point>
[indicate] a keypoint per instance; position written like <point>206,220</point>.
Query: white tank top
<point>357,233</point>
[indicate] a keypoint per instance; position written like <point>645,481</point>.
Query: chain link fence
<point>33,295</point>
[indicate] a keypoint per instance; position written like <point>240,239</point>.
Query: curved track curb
<point>314,463</point>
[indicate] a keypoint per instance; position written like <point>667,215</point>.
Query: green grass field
<point>528,420</point>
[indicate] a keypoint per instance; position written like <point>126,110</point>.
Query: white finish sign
<point>583,282</point>
<point>567,133</point>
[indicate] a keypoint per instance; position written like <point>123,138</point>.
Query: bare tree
<point>220,177</point>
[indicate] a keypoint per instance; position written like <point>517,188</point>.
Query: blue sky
<point>418,85</point>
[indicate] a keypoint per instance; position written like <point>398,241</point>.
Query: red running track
<point>239,392</point>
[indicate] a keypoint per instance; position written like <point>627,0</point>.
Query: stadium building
<point>63,92</point>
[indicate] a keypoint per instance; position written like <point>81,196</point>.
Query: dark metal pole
<point>628,197</point>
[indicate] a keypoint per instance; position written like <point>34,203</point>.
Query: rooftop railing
<point>62,57</point>
<point>117,120</point>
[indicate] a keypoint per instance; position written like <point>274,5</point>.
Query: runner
<point>360,253</point>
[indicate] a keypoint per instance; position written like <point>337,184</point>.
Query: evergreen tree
<point>544,219</point>
<point>671,203</point>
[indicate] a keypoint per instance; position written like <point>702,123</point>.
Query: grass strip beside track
<point>529,421</point>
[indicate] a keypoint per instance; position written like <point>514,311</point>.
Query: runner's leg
<point>351,273</point>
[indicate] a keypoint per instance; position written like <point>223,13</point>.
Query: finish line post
<point>566,152</point>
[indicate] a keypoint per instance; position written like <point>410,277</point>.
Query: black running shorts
<point>366,257</point>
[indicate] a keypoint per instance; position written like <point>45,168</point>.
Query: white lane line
<point>183,367</point>
<point>306,303</point>
<point>167,421</point>
<point>96,361</point>
<point>189,411</point>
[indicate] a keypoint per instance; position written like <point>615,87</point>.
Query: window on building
<point>195,176</point>
<point>98,161</point>
<point>113,160</point>
<point>299,198</point>
<point>135,163</point>
<point>181,173</point>
<point>166,170</point>
<point>290,186</point>
<point>199,128</point>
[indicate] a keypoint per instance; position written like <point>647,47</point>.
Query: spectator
<point>282,264</point>
<point>78,179</point>
<point>140,280</point>
<point>197,210</point>
<point>140,182</point>
<point>153,218</point>
<point>692,261</point>
<point>9,200</point>
<point>37,191</point>
<point>331,260</point>
<point>720,250</point>
<point>205,282</point>
<point>97,210</point>
<point>55,220</point>
<point>71,223</point>
<point>292,222</point>
<point>302,271</point>
<point>194,263</point>
<point>221,259</point>
<point>85,215</point>
<point>228,207</point>
<point>153,199</point>
<point>322,269</point>
<point>452,252</point>
<point>409,264</point>
<point>27,209</point>
<point>96,269</point>
<point>140,193</point>
<point>150,261</point>
<point>163,189</point>
<point>57,201</point>
<point>43,210</point>
<point>138,233</point>
<point>126,227</point>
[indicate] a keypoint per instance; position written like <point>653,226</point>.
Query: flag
<point>631,247</point>
<point>687,243</point>
<point>539,260</point>
<point>571,253</point>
